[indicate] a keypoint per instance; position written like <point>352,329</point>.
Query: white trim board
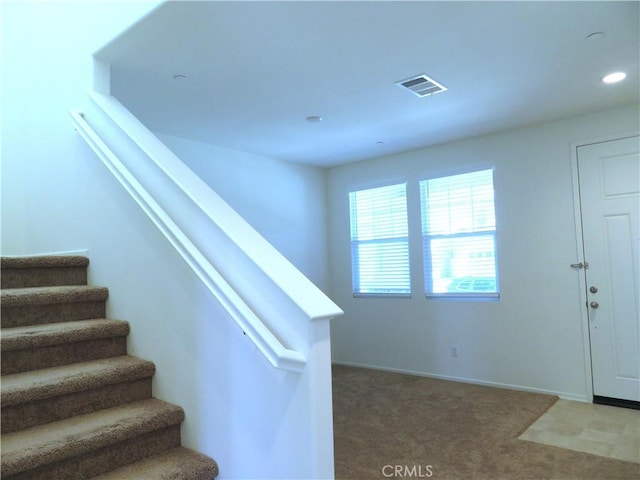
<point>472,381</point>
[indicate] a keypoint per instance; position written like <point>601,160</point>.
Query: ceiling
<point>256,70</point>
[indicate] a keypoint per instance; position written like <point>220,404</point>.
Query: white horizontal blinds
<point>379,241</point>
<point>458,204</point>
<point>458,226</point>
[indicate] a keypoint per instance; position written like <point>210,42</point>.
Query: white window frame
<point>470,287</point>
<point>393,264</point>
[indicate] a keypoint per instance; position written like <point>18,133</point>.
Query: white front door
<point>609,182</point>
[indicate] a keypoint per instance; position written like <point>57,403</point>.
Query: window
<point>380,241</point>
<point>459,235</point>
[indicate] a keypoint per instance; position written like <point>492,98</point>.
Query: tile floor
<point>598,429</point>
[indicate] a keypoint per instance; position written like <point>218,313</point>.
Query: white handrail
<point>304,296</point>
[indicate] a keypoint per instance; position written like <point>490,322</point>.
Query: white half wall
<point>285,202</point>
<point>532,338</point>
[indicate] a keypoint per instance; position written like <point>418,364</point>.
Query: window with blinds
<point>380,241</point>
<point>459,235</point>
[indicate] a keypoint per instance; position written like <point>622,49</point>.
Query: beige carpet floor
<point>389,425</point>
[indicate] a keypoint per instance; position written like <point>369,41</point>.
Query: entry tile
<point>597,429</point>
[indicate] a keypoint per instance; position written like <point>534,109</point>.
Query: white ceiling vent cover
<point>422,85</point>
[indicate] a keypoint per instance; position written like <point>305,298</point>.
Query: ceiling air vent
<point>422,85</point>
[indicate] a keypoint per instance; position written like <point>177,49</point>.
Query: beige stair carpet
<point>74,405</point>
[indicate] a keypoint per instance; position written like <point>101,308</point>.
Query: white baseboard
<point>473,381</point>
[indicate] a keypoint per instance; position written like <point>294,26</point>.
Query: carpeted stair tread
<point>32,336</point>
<point>44,261</point>
<point>20,272</point>
<point>56,381</point>
<point>177,464</point>
<point>74,404</point>
<point>53,442</point>
<point>15,297</point>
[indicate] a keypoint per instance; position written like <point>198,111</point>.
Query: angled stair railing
<point>257,286</point>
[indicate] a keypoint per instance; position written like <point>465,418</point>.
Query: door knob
<point>594,304</point>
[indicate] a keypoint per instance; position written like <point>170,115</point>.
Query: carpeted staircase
<point>74,404</point>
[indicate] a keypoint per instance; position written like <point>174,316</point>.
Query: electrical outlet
<point>454,350</point>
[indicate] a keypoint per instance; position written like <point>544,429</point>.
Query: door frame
<point>581,273</point>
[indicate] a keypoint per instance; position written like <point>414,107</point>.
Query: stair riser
<point>19,316</point>
<point>43,277</point>
<point>17,417</point>
<point>26,360</point>
<point>99,461</point>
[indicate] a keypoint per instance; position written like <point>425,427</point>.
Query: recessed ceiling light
<point>614,77</point>
<point>314,118</point>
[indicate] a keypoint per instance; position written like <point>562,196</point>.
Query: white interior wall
<point>285,202</point>
<point>57,196</point>
<point>531,338</point>
<point>46,68</point>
